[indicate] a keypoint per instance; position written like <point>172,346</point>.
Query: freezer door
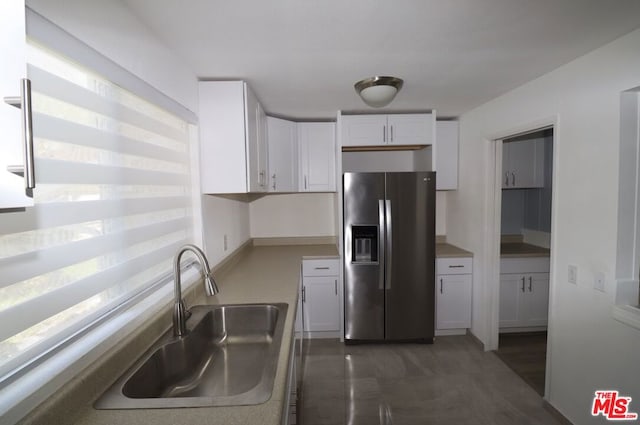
<point>363,256</point>
<point>410,256</point>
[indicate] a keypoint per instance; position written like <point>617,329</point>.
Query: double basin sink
<point>229,357</point>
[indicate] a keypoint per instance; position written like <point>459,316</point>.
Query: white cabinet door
<point>512,287</point>
<point>233,139</point>
<point>12,70</point>
<point>537,295</point>
<point>316,143</point>
<point>320,303</point>
<point>256,138</point>
<point>410,129</point>
<point>364,130</point>
<point>524,300</point>
<point>523,164</point>
<point>446,155</point>
<point>453,301</point>
<point>283,155</point>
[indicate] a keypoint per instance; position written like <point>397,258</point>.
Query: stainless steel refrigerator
<point>389,261</point>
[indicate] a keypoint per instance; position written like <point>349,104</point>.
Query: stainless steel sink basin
<point>229,357</point>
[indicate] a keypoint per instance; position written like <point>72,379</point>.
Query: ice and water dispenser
<point>365,244</point>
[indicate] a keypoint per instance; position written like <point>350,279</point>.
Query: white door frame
<point>493,224</point>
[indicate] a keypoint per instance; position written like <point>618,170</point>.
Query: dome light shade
<point>378,91</point>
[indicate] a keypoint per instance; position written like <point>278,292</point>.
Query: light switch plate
<point>573,274</point>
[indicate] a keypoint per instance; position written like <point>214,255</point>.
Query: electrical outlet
<point>598,281</point>
<point>225,242</point>
<point>573,274</point>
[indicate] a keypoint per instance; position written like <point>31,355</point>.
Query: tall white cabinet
<point>12,70</point>
<point>233,139</point>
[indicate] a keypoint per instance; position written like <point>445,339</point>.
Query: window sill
<point>627,314</point>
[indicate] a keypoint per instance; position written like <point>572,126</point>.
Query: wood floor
<point>525,354</point>
<point>452,381</point>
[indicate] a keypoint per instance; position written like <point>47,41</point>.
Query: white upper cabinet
<point>283,155</point>
<point>446,155</point>
<point>233,139</point>
<point>523,164</point>
<point>317,153</point>
<point>388,130</point>
<point>13,69</point>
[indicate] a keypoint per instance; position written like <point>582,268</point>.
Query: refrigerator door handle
<point>381,235</point>
<point>388,257</point>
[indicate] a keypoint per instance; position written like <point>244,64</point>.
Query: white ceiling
<point>302,57</point>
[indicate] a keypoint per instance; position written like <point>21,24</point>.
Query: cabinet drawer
<point>462,265</point>
<point>323,267</point>
<point>524,265</point>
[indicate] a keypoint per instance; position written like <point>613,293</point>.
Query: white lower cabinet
<point>320,297</point>
<point>453,293</point>
<point>524,293</point>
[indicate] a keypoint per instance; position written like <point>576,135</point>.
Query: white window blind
<point>112,206</point>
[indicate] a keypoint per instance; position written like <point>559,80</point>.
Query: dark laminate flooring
<point>525,354</point>
<point>452,381</point>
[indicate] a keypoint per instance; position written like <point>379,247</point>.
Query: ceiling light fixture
<point>378,91</point>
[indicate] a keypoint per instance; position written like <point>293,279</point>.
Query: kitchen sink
<point>228,358</point>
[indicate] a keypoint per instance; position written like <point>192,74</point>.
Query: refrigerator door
<point>364,256</point>
<point>410,256</point>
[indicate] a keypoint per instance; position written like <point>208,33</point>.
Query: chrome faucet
<point>180,313</point>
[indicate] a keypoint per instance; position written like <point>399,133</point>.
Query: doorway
<point>525,242</point>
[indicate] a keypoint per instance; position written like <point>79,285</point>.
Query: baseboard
<point>322,334</point>
<point>450,332</point>
<point>556,413</point>
<point>523,329</point>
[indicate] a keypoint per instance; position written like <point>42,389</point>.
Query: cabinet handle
<point>24,103</point>
<point>304,292</point>
<point>457,266</point>
<point>321,268</point>
<point>441,286</point>
<point>506,178</point>
<point>384,134</point>
<point>274,181</point>
<point>530,284</point>
<point>513,178</point>
<point>305,182</point>
<point>336,285</point>
<point>522,283</point>
<point>391,141</point>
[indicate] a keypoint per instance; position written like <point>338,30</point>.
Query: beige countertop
<point>262,274</point>
<point>521,249</point>
<point>445,250</point>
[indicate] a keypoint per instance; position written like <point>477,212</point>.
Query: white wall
<point>112,29</point>
<point>284,215</point>
<point>310,214</point>
<point>588,349</point>
<point>222,216</point>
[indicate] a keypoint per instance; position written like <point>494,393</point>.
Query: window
<point>112,205</point>
<point>626,308</point>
